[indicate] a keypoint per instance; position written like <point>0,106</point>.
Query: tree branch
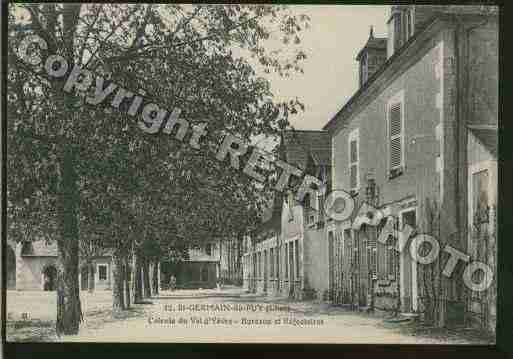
<point>131,53</point>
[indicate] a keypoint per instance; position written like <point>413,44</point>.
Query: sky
<point>336,34</point>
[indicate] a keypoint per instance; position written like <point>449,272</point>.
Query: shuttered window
<point>395,132</point>
<point>353,160</point>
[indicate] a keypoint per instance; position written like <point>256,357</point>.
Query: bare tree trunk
<point>118,302</point>
<point>69,313</point>
<point>146,278</point>
<point>155,278</point>
<point>137,278</point>
<point>90,277</point>
<point>127,281</point>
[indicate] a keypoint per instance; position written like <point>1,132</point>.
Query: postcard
<point>200,173</point>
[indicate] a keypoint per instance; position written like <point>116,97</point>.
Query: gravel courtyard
<point>214,316</point>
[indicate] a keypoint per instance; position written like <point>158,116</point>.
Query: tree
<point>182,53</point>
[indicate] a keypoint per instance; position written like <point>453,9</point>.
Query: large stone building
<point>206,266</point>
<point>35,268</point>
<point>200,269</point>
<point>288,256</point>
<point>418,141</point>
<point>420,138</point>
<point>32,266</point>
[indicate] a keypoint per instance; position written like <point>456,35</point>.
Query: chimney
<point>402,24</point>
<point>371,56</point>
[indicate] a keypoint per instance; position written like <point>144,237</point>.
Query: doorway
<point>49,278</point>
<point>408,267</point>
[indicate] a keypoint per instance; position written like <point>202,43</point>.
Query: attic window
<point>409,23</point>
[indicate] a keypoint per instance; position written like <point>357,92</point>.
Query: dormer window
<point>371,56</point>
<point>409,23</point>
<point>401,26</point>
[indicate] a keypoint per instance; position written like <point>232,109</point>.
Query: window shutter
<point>395,131</point>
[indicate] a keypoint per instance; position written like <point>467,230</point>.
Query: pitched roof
<point>443,13</point>
<point>271,216</point>
<point>299,145</point>
<point>42,248</point>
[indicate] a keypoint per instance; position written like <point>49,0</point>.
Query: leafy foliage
<point>134,186</point>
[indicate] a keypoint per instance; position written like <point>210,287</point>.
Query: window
<point>208,249</point>
<point>354,182</point>
<point>391,38</point>
<point>102,271</point>
<point>395,134</point>
<point>409,218</point>
<point>363,70</point>
<point>409,24</point>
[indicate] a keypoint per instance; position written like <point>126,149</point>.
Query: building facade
<point>200,270</point>
<point>419,141</point>
<point>36,268</point>
<point>230,261</point>
<point>285,257</point>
